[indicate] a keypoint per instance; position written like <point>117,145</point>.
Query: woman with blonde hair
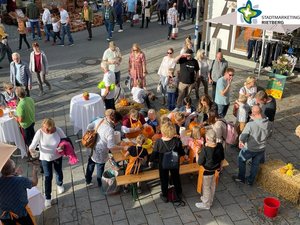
<point>204,106</point>
<point>203,72</point>
<point>137,66</point>
<point>249,90</point>
<point>48,138</point>
<point>168,142</point>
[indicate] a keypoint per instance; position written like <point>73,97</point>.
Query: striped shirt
<point>172,16</point>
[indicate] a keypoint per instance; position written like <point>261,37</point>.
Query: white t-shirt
<point>46,18</point>
<point>55,27</point>
<point>165,65</point>
<point>243,113</point>
<point>138,94</point>
<point>64,15</point>
<point>47,143</point>
<point>109,79</point>
<point>110,55</point>
<point>251,92</point>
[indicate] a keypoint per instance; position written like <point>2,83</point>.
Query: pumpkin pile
<point>123,106</point>
<point>288,170</point>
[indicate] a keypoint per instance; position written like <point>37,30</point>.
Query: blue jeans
<point>171,100</point>
<point>257,158</point>
<point>65,29</point>
<point>47,29</point>
<point>48,173</point>
<point>170,27</point>
<point>90,169</point>
<point>222,110</point>
<point>37,25</point>
<point>109,27</point>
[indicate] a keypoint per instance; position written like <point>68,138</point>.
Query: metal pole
<point>207,27</point>
<point>197,26</point>
<point>262,53</point>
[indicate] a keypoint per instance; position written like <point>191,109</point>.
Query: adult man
<point>13,195</point>
<point>108,87</point>
<point>267,104</point>
<point>131,9</point>
<point>25,114</point>
<point>33,15</point>
<point>46,18</point>
<point>118,6</point>
<point>87,17</point>
<point>105,143</point>
<point>112,56</point>
<point>217,69</point>
<point>109,18</point>
<point>65,26</point>
<point>253,142</point>
<point>189,68</point>
<point>162,6</point>
<point>19,73</point>
<point>223,92</point>
<point>172,19</point>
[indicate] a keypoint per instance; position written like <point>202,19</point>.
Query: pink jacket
<point>69,151</point>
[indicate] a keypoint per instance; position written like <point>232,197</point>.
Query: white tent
<point>231,19</point>
<point>6,152</point>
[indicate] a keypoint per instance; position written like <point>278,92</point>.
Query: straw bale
<point>124,110</point>
<point>270,179</point>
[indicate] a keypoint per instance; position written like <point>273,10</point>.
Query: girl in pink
<point>137,66</point>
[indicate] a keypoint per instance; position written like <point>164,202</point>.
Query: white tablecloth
<point>10,132</point>
<point>82,112</point>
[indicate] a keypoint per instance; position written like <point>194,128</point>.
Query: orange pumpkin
<point>123,102</point>
<point>1,112</point>
<point>192,124</point>
<point>148,131</point>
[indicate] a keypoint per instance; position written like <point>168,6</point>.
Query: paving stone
<point>244,202</point>
<point>148,205</point>
<point>233,189</point>
<point>71,223</point>
<point>114,200</point>
<point>235,212</point>
<point>121,222</point>
<point>66,201</point>
<point>83,204</point>
<point>205,217</point>
<point>51,221</point>
<point>103,220</point>
<point>85,217</point>
<point>173,221</point>
<point>67,214</point>
<point>185,214</point>
<point>95,195</point>
<point>225,198</point>
<point>128,202</point>
<point>216,209</point>
<point>190,190</point>
<point>136,216</point>
<point>192,223</point>
<point>243,222</point>
<point>117,212</point>
<point>154,219</point>
<point>224,220</point>
<point>191,203</point>
<point>166,210</point>
<point>99,208</point>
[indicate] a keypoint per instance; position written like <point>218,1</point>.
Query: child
<point>56,29</point>
<point>195,144</point>
<point>9,95</point>
<point>172,83</point>
<point>249,90</point>
<point>152,121</point>
<point>210,159</point>
<point>22,32</point>
<point>242,114</point>
<point>179,120</point>
<point>139,94</point>
<point>138,157</point>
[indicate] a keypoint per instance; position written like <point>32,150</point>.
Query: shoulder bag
<point>89,138</point>
<point>170,159</point>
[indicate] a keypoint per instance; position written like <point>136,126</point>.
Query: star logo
<point>248,12</point>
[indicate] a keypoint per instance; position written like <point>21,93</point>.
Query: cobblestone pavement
<point>233,204</point>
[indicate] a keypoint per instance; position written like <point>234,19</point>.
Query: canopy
<point>231,19</point>
<point>6,152</point>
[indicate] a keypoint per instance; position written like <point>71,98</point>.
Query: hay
<point>124,110</point>
<point>270,179</point>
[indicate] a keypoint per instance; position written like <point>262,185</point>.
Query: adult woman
<point>203,72</point>
<point>218,125</point>
<point>48,137</point>
<point>132,124</point>
<point>205,105</point>
<point>39,64</point>
<point>137,66</point>
<point>249,90</point>
<point>163,71</point>
<point>167,143</point>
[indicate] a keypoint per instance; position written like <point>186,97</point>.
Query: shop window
<point>242,35</point>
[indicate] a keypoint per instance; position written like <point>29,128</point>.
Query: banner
<point>276,85</point>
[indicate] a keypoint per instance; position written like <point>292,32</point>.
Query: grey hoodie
<point>255,134</point>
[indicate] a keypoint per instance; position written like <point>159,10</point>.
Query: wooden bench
<point>154,174</point>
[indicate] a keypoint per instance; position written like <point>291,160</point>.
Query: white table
<point>10,132</point>
<point>82,112</point>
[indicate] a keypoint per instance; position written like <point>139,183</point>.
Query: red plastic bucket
<point>271,206</point>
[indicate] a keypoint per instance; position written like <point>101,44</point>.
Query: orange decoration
<point>202,132</point>
<point>282,170</point>
<point>192,124</point>
<point>1,112</point>
<point>148,131</point>
<point>123,102</point>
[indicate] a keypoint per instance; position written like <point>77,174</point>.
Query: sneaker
<point>60,189</point>
<point>120,30</point>
<point>107,39</point>
<point>89,184</point>
<point>40,38</point>
<point>48,203</point>
<point>112,31</point>
<point>89,39</point>
<point>163,198</point>
<point>200,205</point>
<point>237,179</point>
<point>71,44</point>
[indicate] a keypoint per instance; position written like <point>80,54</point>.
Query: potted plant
<point>282,66</point>
<point>86,96</point>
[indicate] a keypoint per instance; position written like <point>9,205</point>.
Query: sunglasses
<point>135,50</point>
<point>169,53</point>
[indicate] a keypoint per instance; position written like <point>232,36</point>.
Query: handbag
<point>159,88</point>
<point>89,138</point>
<point>170,159</point>
<point>172,197</point>
<point>135,18</point>
<point>175,32</point>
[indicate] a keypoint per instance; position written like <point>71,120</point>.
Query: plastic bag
<point>109,183</point>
